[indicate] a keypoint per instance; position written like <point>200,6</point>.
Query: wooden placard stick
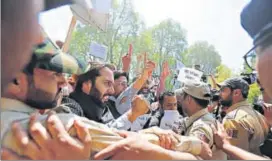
<point>65,47</point>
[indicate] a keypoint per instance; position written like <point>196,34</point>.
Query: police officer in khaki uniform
<point>194,97</point>
<point>246,127</point>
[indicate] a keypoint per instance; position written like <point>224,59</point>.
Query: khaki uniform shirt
<point>246,127</point>
<point>199,125</point>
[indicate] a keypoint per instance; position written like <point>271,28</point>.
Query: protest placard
<point>94,13</point>
<point>189,74</point>
<point>98,50</point>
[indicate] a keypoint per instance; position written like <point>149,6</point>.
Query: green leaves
<point>254,93</point>
<point>203,54</point>
<point>222,73</point>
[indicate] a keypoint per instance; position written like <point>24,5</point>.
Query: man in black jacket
<point>92,90</point>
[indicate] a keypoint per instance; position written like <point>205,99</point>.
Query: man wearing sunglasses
<point>246,127</point>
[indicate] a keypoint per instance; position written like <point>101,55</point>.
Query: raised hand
<point>139,106</point>
<point>149,66</point>
<point>126,60</point>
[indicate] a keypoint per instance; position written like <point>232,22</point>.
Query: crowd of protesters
<point>98,113</point>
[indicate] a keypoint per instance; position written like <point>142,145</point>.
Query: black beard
<point>96,95</point>
<point>226,103</point>
<point>180,110</point>
<point>36,98</point>
<point>41,105</point>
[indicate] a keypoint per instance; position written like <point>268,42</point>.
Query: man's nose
<point>111,90</point>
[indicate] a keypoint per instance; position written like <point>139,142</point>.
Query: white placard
<point>98,50</point>
<point>95,13</point>
<point>102,6</point>
<point>170,119</point>
<point>189,74</point>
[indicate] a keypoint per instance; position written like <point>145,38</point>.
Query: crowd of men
<point>98,113</point>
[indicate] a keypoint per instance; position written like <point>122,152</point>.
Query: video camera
<point>250,78</point>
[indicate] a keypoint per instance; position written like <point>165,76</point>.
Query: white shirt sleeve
<point>122,123</point>
<point>139,123</point>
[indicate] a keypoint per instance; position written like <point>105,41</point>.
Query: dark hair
<point>118,74</point>
<point>167,93</point>
<point>243,92</point>
<point>200,102</point>
<point>89,75</point>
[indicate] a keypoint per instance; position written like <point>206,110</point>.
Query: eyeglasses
<point>251,58</point>
<point>260,39</point>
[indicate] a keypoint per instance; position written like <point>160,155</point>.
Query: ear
<point>237,92</point>
<point>189,99</point>
<point>87,86</point>
<point>15,88</point>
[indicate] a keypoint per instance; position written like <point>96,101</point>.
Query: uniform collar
<point>237,105</point>
<point>196,116</point>
<point>8,104</point>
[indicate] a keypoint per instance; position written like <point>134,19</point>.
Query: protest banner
<point>189,74</point>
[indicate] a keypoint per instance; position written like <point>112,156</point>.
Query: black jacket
<point>155,119</point>
<point>112,108</point>
<point>73,106</point>
<point>92,108</point>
